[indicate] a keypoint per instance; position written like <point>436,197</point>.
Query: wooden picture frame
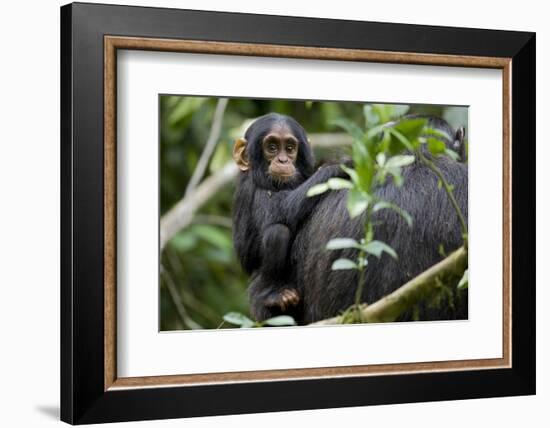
<point>90,389</point>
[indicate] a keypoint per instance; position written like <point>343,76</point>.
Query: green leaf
<point>397,177</point>
<point>317,189</point>
<point>437,133</point>
<point>401,139</point>
<point>385,142</point>
<point>436,146</point>
<point>388,205</point>
<point>357,202</point>
<point>350,127</point>
<point>376,130</point>
<point>214,235</point>
<point>341,243</point>
<point>360,153</point>
<point>352,173</point>
<point>386,112</point>
<point>452,154</point>
<point>184,109</point>
<point>371,117</point>
<point>463,283</point>
<point>382,111</point>
<point>376,248</point>
<point>238,319</point>
<point>344,264</point>
<point>399,161</point>
<point>381,159</point>
<point>411,128</point>
<point>339,183</point>
<point>279,321</point>
<point>184,241</point>
<point>398,110</point>
<point>366,172</point>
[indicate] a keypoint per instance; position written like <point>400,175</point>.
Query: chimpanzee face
<point>276,151</point>
<point>280,150</point>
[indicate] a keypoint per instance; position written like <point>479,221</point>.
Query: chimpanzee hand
<point>297,206</point>
<point>273,300</point>
<point>282,299</point>
<point>334,169</point>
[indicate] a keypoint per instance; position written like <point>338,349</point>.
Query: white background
<point>29,220</point>
<point>143,351</point>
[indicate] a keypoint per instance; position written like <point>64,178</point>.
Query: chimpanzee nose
<point>283,159</point>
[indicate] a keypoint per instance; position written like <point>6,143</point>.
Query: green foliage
<point>376,248</point>
<point>344,264</point>
<point>199,261</point>
<point>341,243</point>
<point>243,321</point>
<point>388,205</point>
<point>378,154</point>
<point>375,158</point>
<point>239,319</point>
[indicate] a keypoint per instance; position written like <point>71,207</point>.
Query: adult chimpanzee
<point>277,169</point>
<point>325,292</point>
<point>262,203</point>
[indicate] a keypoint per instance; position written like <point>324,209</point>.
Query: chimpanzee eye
<point>289,149</point>
<point>272,147</point>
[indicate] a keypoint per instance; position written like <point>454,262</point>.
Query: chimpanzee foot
<point>283,299</point>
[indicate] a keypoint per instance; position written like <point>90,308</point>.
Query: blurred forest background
<point>200,277</point>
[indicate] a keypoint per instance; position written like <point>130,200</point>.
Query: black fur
<point>267,213</point>
<point>271,222</point>
<point>325,292</point>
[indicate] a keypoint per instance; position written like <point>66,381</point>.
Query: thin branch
<point>190,299</point>
<point>418,289</point>
<point>215,131</point>
<point>182,213</point>
<point>449,191</point>
<point>176,299</point>
<point>331,140</point>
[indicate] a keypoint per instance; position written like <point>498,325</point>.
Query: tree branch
<point>196,195</point>
<point>422,287</point>
<point>330,140</point>
<point>215,131</point>
<point>181,214</point>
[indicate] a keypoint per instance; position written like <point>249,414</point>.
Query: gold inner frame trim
<point>113,43</point>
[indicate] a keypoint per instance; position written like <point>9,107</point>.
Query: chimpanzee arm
<point>298,206</point>
<point>246,231</point>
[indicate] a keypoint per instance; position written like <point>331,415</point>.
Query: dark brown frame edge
<point>83,395</point>
<point>113,43</point>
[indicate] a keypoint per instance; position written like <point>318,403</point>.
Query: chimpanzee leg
<point>275,247</point>
<point>272,291</point>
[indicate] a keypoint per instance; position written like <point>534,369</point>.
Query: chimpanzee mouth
<point>280,181</point>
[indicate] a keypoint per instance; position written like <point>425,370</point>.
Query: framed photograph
<point>267,213</point>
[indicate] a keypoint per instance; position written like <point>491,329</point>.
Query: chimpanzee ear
<point>239,154</point>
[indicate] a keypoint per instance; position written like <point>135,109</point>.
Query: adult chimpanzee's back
<point>436,226</point>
